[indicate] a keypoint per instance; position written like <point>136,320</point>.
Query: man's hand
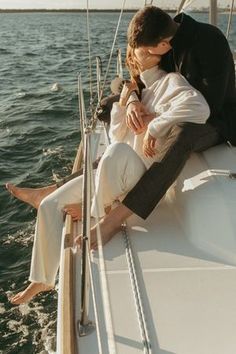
<point>134,113</point>
<point>149,143</point>
<point>147,118</point>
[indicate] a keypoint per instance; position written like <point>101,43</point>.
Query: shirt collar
<point>152,75</point>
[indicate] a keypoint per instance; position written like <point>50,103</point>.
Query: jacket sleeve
<point>184,104</point>
<point>216,67</point>
<point>118,128</point>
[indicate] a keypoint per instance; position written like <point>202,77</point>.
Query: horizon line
<point>96,9</point>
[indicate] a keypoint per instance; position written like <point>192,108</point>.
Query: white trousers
<point>118,171</point>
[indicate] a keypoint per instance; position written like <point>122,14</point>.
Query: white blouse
<point>171,98</point>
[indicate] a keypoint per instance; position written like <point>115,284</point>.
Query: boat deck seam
<point>181,269</point>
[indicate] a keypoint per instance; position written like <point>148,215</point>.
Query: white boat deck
<point>185,257</point>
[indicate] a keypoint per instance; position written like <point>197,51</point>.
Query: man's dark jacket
<point>201,53</point>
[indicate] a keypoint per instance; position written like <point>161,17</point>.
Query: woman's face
<point>146,60</point>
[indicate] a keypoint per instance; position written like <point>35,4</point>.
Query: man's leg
<point>142,199</point>
<point>177,148</point>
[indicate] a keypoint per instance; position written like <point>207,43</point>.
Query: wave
<point>5,51</point>
<point>30,95</point>
<point>31,54</point>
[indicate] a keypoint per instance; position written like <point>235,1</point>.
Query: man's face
<point>160,49</point>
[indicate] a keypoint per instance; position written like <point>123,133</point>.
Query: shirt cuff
<point>132,98</point>
<point>152,130</point>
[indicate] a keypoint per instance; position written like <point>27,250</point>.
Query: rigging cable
<point>89,55</point>
<point>230,19</point>
<point>99,96</point>
<point>112,49</point>
<point>99,74</point>
<point>148,3</point>
<point>82,112</point>
<point>119,68</point>
<point>183,5</point>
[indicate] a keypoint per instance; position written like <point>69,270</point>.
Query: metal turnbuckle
<point>86,329</point>
<point>232,175</point>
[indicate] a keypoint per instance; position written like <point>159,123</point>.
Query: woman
<point>170,100</point>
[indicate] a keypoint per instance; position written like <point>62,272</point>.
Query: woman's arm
<point>118,128</point>
<point>183,104</point>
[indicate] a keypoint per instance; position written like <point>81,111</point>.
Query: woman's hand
<point>149,143</point>
<point>138,118</point>
<point>134,113</point>
<point>75,210</point>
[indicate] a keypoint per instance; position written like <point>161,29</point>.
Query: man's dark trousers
<point>182,140</point>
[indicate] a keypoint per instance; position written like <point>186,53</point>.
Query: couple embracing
<point>183,101</point>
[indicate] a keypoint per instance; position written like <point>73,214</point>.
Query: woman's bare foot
<point>109,226</point>
<point>75,210</point>
<point>32,290</point>
<point>30,195</point>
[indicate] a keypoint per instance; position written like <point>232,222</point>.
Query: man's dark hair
<point>149,26</point>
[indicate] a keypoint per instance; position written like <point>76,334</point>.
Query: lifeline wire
<point>104,284</point>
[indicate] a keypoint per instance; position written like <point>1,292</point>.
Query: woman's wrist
<point>128,88</point>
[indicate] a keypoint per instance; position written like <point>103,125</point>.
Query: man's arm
<point>216,67</point>
<point>185,105</point>
<point>218,84</point>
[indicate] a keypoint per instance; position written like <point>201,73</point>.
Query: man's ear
<point>164,43</point>
<point>164,46</point>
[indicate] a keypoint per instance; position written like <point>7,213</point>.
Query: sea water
<point>41,55</point>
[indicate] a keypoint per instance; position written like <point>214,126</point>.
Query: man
<point>201,53</point>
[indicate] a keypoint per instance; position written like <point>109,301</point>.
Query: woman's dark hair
<point>149,26</point>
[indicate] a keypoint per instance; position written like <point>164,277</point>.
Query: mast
<point>213,12</point>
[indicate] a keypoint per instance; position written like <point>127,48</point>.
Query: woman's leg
<point>34,196</point>
<point>118,171</point>
<point>31,196</point>
<point>47,242</point>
